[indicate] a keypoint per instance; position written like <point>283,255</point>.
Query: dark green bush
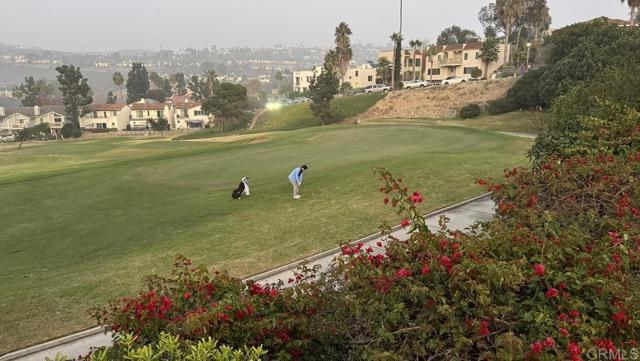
<point>500,106</point>
<point>469,111</point>
<point>76,133</point>
<point>66,130</point>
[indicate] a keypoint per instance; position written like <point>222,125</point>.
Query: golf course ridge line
<point>22,353</point>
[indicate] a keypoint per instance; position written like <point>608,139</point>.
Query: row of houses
<point>449,60</point>
<point>181,112</point>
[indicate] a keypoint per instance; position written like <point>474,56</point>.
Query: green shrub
<point>525,93</point>
<point>66,130</point>
<point>500,106</point>
<point>470,111</point>
<point>476,73</point>
<point>76,133</point>
<point>169,347</point>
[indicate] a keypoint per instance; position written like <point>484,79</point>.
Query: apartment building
<point>450,60</point>
<point>14,119</point>
<point>358,77</point>
<point>187,114</point>
<point>106,116</point>
<point>144,110</point>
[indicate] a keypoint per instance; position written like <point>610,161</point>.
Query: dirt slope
<point>437,102</point>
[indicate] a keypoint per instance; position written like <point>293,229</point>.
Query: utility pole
<point>528,51</point>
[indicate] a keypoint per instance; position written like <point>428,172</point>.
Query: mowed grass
<point>82,222</point>
<point>517,122</point>
<point>298,116</point>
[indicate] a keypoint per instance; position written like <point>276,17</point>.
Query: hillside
<point>437,102</point>
<point>299,115</point>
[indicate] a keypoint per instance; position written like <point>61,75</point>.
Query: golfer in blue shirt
<point>295,177</point>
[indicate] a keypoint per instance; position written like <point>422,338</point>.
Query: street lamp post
<point>528,52</point>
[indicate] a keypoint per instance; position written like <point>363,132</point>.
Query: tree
<point>156,80</point>
<point>28,91</point>
<point>26,134</point>
<point>322,90</point>
<point>431,52</point>
<point>510,12</point>
<point>118,80</point>
<point>212,80</point>
<point>633,8</point>
<point>456,35</point>
<point>344,53</point>
<point>345,88</point>
<point>137,83</point>
<point>414,44</point>
<point>76,93</point>
<point>489,53</point>
<point>536,18</point>
<point>397,59</point>
<point>255,93</point>
<point>384,70</point>
<point>156,94</point>
<point>111,99</point>
<point>178,84</point>
<point>278,77</point>
<point>331,58</point>
<point>159,125</point>
<point>228,103</point>
<point>198,87</point>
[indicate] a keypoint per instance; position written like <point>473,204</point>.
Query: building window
<point>417,62</point>
<point>466,56</point>
<point>159,114</point>
<point>57,119</point>
<point>469,69</point>
<point>140,114</point>
<point>435,71</point>
<point>297,80</point>
<point>439,57</point>
<point>113,124</point>
<point>477,55</point>
<point>148,113</point>
<point>356,74</point>
<point>101,126</point>
<point>198,112</point>
<point>370,78</point>
<point>105,114</point>
<point>95,114</point>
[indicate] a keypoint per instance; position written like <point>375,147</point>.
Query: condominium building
<point>358,77</point>
<point>14,119</point>
<point>450,60</point>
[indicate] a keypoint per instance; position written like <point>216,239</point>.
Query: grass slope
<point>518,122</point>
<point>83,221</point>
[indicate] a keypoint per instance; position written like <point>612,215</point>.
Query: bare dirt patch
<point>437,102</point>
<point>249,138</point>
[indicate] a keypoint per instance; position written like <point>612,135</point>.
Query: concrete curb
<point>19,354</point>
<point>16,355</point>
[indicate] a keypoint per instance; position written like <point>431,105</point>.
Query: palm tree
<point>489,53</point>
<point>633,6</point>
<point>414,44</point>
<point>397,59</point>
<point>118,80</point>
<point>343,51</point>
<point>431,52</point>
<point>211,79</point>
<point>512,10</point>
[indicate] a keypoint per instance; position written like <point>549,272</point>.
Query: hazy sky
<point>99,25</point>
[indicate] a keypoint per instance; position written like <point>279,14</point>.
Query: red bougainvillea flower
<point>385,200</point>
<point>538,269</point>
<point>549,342</point>
<point>405,222</point>
<point>574,351</point>
<point>574,313</point>
<point>564,332</point>
<point>369,250</point>
<point>379,244</point>
<point>186,295</point>
<point>484,329</point>
<point>425,270</point>
<point>416,198</point>
<point>403,273</point>
<point>620,318</point>
<point>536,347</point>
<point>551,293</point>
<point>283,336</point>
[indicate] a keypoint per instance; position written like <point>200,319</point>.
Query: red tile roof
<point>107,107</point>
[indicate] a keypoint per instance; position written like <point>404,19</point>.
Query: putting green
<point>83,221</point>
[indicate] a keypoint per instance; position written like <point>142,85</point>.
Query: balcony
<point>451,61</point>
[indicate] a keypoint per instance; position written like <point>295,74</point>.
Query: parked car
<point>412,84</point>
<point>7,138</point>
<point>377,88</point>
<point>454,80</point>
